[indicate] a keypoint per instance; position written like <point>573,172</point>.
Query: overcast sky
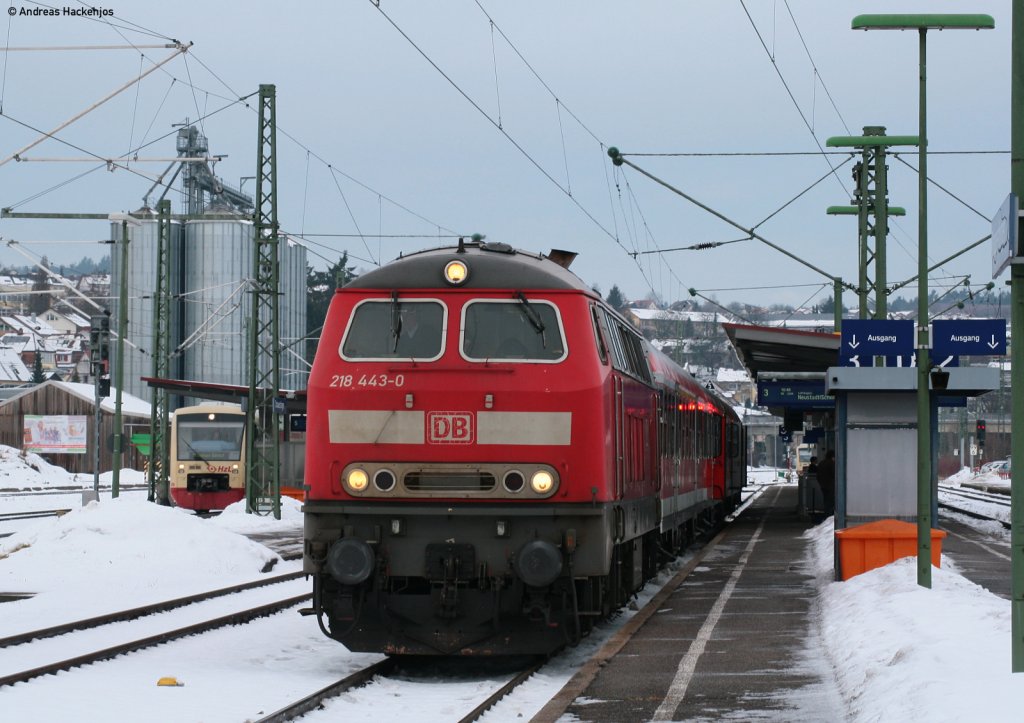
<point>426,119</point>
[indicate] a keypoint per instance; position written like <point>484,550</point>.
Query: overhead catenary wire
<point>789,92</point>
<point>702,246</point>
<point>762,288</point>
<point>618,158</point>
<point>100,158</point>
<point>215,317</point>
<point>642,238</point>
<point>942,188</point>
<point>486,115</point>
<point>49,134</point>
<point>771,154</point>
<point>727,310</point>
<point>632,227</point>
<point>814,66</point>
<point>135,27</point>
<point>806,301</point>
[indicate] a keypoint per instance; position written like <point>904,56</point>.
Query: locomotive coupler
<point>450,566</point>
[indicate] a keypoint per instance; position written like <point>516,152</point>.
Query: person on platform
<point>827,481</point>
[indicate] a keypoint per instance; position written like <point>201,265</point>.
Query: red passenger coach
<point>495,458</point>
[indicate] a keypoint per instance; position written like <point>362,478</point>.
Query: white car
<point>1000,466</point>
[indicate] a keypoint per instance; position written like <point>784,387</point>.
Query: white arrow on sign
<point>993,344</point>
<point>853,342</point>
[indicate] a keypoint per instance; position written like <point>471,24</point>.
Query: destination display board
<point>797,394</point>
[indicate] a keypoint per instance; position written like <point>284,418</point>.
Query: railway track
<point>27,645</point>
<point>996,500</point>
<point>973,514</point>
<point>386,668</point>
<point>67,490</point>
<point>141,611</point>
<point>34,514</point>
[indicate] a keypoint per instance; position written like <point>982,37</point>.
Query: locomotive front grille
<point>450,481</point>
<point>493,480</point>
<point>208,483</point>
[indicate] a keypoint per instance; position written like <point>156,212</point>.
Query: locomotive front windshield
<point>391,329</point>
<point>514,330</point>
<point>210,437</point>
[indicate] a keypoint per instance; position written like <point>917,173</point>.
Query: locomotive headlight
<point>542,482</point>
<point>357,480</point>
<point>181,468</point>
<point>455,272</point>
<point>234,468</point>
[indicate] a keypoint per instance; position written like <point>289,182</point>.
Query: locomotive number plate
<point>367,381</point>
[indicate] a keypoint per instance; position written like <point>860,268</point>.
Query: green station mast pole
<point>872,210</point>
<point>122,326</point>
<point>263,439</point>
<point>159,426</point>
<point>1017,343</point>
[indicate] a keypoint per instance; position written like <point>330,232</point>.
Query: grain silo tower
<point>141,278</point>
<point>211,264</point>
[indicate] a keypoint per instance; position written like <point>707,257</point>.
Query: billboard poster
<point>55,434</point>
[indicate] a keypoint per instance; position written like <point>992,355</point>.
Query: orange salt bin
<point>875,544</point>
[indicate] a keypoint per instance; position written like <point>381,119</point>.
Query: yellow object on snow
<point>169,682</point>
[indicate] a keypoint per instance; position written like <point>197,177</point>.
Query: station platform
<point>733,641</point>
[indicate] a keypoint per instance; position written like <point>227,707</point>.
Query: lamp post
<point>923,23</point>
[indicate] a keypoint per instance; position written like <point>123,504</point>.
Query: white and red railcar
<point>495,458</point>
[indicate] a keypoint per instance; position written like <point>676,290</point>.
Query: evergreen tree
<point>37,369</point>
<point>615,298</point>
<point>320,286</point>
<point>41,301</point>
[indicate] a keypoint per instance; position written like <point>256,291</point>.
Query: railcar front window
<point>512,331</point>
<point>392,329</point>
<point>206,441</point>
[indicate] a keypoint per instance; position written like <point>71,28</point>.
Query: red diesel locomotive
<point>495,458</point>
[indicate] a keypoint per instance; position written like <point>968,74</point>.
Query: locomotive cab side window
<point>627,348</point>
<point>393,329</point>
<point>515,331</point>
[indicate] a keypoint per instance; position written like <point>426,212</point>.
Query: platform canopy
<point>295,401</point>
<point>764,349</point>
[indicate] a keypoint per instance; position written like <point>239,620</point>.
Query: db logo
<point>451,427</point>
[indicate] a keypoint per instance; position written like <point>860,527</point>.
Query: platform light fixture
<point>922,24</point>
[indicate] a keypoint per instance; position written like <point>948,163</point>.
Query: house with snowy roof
<point>64,399</point>
<point>13,372</point>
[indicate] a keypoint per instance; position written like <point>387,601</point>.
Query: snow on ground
<point>766,475</point>
<point>898,652</point>
<point>117,554</point>
<point>987,481</point>
<point>25,470</point>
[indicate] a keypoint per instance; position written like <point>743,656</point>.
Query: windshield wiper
<point>396,320</point>
<point>198,456</point>
<point>531,315</point>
